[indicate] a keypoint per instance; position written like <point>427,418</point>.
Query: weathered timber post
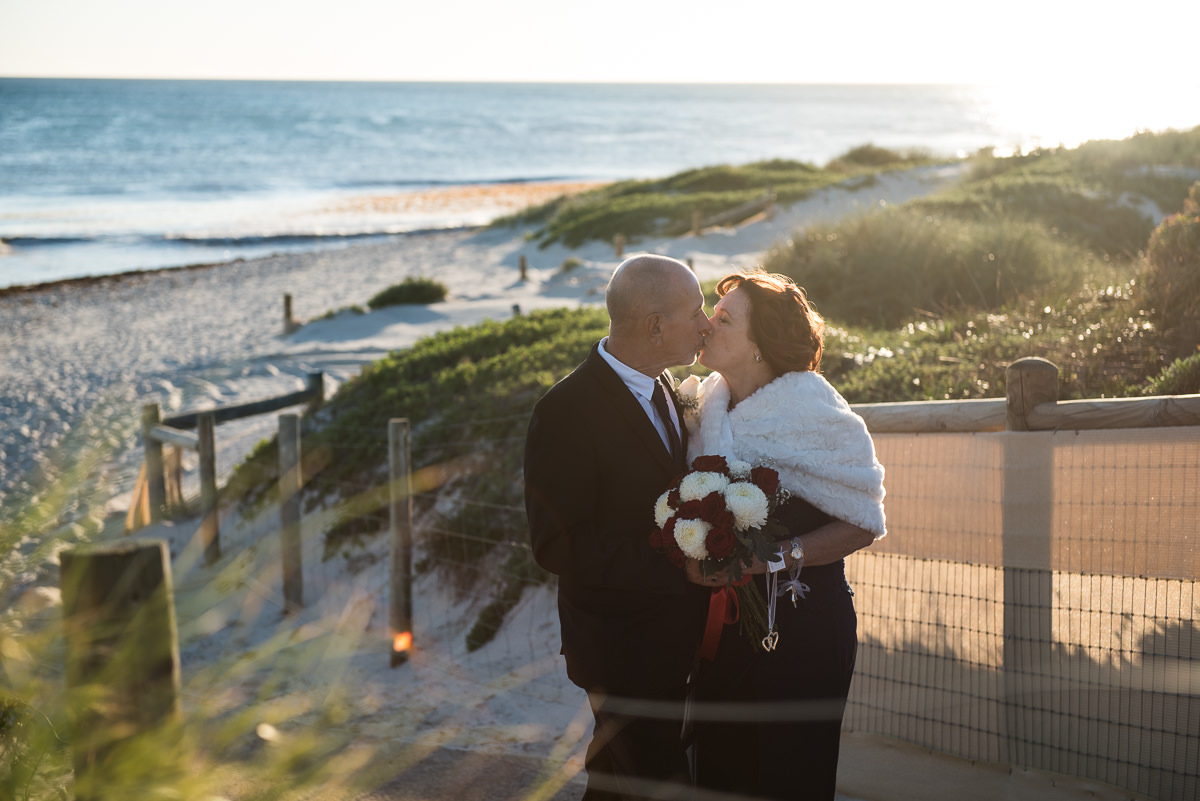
<point>770,209</point>
<point>155,477</point>
<point>691,263</point>
<point>315,383</point>
<point>1027,531</point>
<point>121,663</point>
<point>696,224</point>
<point>619,245</point>
<point>289,322</point>
<point>173,482</point>
<point>290,481</point>
<point>210,527</point>
<point>400,517</point>
<point>524,267</point>
<point>1031,381</point>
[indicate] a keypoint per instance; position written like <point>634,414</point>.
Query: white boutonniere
<point>688,393</point>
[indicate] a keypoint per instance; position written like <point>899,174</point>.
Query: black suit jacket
<point>594,466</point>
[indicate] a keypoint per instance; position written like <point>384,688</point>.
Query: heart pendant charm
<point>770,641</point>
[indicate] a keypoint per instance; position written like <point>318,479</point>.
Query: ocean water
<point>105,176</point>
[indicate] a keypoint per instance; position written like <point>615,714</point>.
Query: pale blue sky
<point>944,41</point>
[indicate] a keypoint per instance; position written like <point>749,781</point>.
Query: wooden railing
<point>159,496</point>
<point>1032,404</point>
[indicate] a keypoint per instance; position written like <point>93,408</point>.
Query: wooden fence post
<point>173,483</point>
<point>315,383</point>
<point>770,209</point>
<point>400,516</point>
<point>524,267</point>
<point>121,660</point>
<point>289,322</point>
<point>696,224</point>
<point>155,477</point>
<point>1027,530</point>
<point>1029,381</point>
<point>290,482</point>
<point>210,527</point>
<point>619,245</point>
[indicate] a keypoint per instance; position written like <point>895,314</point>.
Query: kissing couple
<point>606,442</point>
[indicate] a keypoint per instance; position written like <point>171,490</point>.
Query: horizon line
<point>524,81</point>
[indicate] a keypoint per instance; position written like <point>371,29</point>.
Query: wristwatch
<point>797,551</point>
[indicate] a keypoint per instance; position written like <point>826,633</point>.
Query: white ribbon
<point>769,642</point>
<point>797,588</point>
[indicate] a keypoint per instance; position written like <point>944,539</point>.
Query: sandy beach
<point>81,357</point>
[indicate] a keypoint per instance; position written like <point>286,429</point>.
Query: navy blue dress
<point>781,712</point>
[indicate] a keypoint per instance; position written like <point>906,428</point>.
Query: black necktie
<point>660,404</point>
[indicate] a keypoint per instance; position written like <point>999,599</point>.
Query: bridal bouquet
<point>719,513</point>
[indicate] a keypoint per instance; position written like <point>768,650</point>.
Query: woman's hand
<point>692,569</point>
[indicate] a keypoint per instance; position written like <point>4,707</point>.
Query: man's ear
<point>654,324</point>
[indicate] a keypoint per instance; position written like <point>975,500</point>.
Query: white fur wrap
<point>801,426</point>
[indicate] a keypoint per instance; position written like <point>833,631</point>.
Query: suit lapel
<point>626,408</point>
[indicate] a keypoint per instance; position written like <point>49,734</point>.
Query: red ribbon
<point>723,609</point>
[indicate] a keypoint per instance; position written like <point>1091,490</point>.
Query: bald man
<point>598,454</point>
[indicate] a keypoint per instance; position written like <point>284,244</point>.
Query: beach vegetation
<point>332,313</point>
<point>570,264</point>
<point>1180,377</point>
<point>1017,227</point>
<point>670,206</point>
<point>413,289</point>
<point>1172,286</point>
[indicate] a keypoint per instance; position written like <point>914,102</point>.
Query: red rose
<point>715,512</point>
<point>720,542</point>
<point>673,498</point>
<point>711,464</point>
<point>766,479</point>
<point>713,504</point>
<point>691,510</point>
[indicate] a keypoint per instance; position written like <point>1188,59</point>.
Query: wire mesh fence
<point>1035,604</point>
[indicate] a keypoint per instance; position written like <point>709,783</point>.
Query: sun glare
<point>402,641</point>
<point>1064,114</point>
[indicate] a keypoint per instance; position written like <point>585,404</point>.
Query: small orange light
<point>402,641</point>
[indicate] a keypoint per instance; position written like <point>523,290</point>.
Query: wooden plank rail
<point>1152,412</point>
<point>176,437</point>
<point>738,213</point>
<point>312,394</point>
<point>1032,405</point>
<point>986,414</point>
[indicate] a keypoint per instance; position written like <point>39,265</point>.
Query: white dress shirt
<point>642,387</point>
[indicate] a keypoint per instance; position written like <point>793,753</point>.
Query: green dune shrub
<point>875,270</point>
<point>1172,275</point>
<point>413,289</point>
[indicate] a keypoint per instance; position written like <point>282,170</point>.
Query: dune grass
<point>666,206</point>
<point>1015,229</point>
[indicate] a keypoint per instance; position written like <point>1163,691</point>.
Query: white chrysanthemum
<point>748,503</point>
<point>690,535</point>
<point>739,470</point>
<point>662,510</point>
<point>696,485</point>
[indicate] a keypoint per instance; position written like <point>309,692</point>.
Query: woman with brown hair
<point>768,723</point>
